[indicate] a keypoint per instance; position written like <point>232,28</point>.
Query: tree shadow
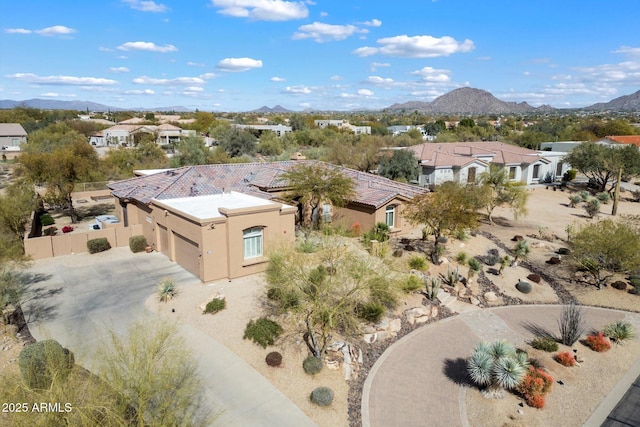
<point>456,371</point>
<point>95,210</point>
<point>538,330</point>
<point>36,300</point>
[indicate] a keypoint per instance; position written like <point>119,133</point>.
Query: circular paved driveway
<point>416,381</point>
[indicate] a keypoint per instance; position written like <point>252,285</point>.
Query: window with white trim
<point>390,216</point>
<point>252,240</point>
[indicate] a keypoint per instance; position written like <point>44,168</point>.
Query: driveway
<point>76,298</point>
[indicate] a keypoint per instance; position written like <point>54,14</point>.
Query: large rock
<point>490,297</point>
<point>395,325</point>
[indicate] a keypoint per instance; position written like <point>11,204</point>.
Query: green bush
<point>312,365</point>
<point>379,232</point>
<point>51,231</point>
<point>42,362</point>
<point>461,258</point>
<point>46,219</point>
<point>263,331</point>
<point>322,396</point>
<point>634,282</point>
<point>371,311</point>
<point>100,244</point>
<point>411,284</point>
<point>619,331</point>
<point>569,175</point>
<point>417,262</point>
<point>603,197</point>
<point>137,243</point>
<point>383,292</point>
<point>287,299</point>
<point>584,195</point>
<point>215,305</point>
<point>306,246</point>
<point>547,344</point>
<point>167,290</point>
<point>592,207</point>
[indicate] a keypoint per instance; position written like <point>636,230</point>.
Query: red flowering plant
<point>534,386</point>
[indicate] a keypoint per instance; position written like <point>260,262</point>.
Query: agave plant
<point>497,366</point>
<point>619,331</point>
<point>167,290</point>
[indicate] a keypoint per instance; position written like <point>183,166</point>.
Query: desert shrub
<point>383,292</point>
<point>603,197</point>
<point>565,358</point>
<point>598,342</point>
<point>287,299</point>
<point>371,311</point>
<point>535,278</point>
<point>51,231</point>
<point>67,229</point>
<point>497,365</point>
<point>137,243</point>
<point>43,362</point>
<point>322,396</point>
<point>417,262</point>
<point>46,220</point>
<point>619,331</point>
<point>461,258</point>
<point>460,234</point>
<point>306,246</point>
<point>592,207</point>
<point>569,175</point>
<point>571,324</point>
<point>167,290</point>
<point>356,229</point>
<point>524,287</point>
<point>584,195</point>
<point>312,365</point>
<point>274,359</point>
<point>534,386</point>
<point>620,285</point>
<point>634,282</point>
<point>263,331</point>
<point>574,201</point>
<point>411,284</point>
<point>474,264</point>
<point>100,244</point>
<point>547,344</point>
<point>379,232</point>
<point>215,305</point>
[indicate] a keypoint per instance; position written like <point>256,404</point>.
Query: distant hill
<point>468,100</point>
<point>52,104</point>
<point>622,103</point>
<point>276,109</point>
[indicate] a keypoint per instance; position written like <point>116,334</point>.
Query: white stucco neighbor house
<point>463,162</point>
<point>343,124</point>
<point>12,136</point>
<point>127,134</point>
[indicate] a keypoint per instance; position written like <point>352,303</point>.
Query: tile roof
<point>257,179</point>
<point>459,154</point>
<point>625,139</point>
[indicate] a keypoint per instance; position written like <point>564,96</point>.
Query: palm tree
<point>497,366</point>
<point>521,250</point>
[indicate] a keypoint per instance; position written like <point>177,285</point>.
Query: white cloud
<point>148,46</point>
<point>376,65</point>
<point>323,14</point>
<point>105,49</point>
<point>208,76</point>
<point>278,79</point>
<point>239,64</point>
<point>622,73</point>
<point>262,10</point>
<point>297,90</point>
<point>17,31</point>
<point>365,92</point>
<point>628,50</point>
<point>56,30</point>
<point>57,95</point>
<point>145,80</point>
<point>195,64</point>
<point>380,81</point>
<point>194,89</point>
<point>416,47</point>
<point>430,74</point>
<point>321,32</point>
<point>335,78</point>
<point>140,92</point>
<point>146,6</point>
<point>373,23</point>
<point>119,69</point>
<point>62,80</point>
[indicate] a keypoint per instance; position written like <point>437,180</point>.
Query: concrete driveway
<point>76,298</point>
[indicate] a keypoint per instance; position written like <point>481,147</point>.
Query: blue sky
<point>237,55</point>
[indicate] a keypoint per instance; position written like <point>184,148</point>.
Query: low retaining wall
<point>67,244</point>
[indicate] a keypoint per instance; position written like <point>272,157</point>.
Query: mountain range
<point>459,101</point>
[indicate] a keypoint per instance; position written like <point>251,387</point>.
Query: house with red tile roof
<point>620,139</point>
<point>217,220</point>
<point>463,162</point>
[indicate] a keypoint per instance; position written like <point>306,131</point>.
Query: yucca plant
<point>497,366</point>
<point>619,331</point>
<point>474,267</point>
<point>167,290</point>
<point>521,250</point>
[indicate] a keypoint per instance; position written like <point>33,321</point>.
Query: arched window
<point>252,241</point>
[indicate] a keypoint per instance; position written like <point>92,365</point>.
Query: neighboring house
<point>12,136</point>
<point>343,124</point>
<point>128,134</point>
<point>398,130</point>
<point>218,220</point>
<point>620,140</point>
<point>463,162</point>
<point>559,146</point>
<point>279,130</point>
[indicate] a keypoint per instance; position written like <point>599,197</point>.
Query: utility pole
<point>616,195</point>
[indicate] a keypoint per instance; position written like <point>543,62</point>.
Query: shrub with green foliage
<point>215,305</point>
<point>603,197</point>
<point>167,290</point>
<point>461,258</point>
<point>569,175</point>
<point>417,262</point>
<point>592,207</point>
<point>51,231</point>
<point>43,362</point>
<point>312,365</point>
<point>137,243</point>
<point>379,232</point>
<point>371,312</point>
<point>263,331</point>
<point>306,246</point>
<point>411,284</point>
<point>547,344</point>
<point>584,195</point>
<point>287,299</point>
<point>619,331</point>
<point>575,200</point>
<point>100,244</point>
<point>46,220</point>
<point>497,365</point>
<point>322,396</point>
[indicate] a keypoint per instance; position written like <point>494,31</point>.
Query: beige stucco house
<point>219,220</point>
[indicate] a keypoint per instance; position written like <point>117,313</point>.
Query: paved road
<point>76,298</point>
<point>417,381</point>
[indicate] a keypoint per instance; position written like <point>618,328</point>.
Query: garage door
<point>164,240</point>
<point>187,253</point>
